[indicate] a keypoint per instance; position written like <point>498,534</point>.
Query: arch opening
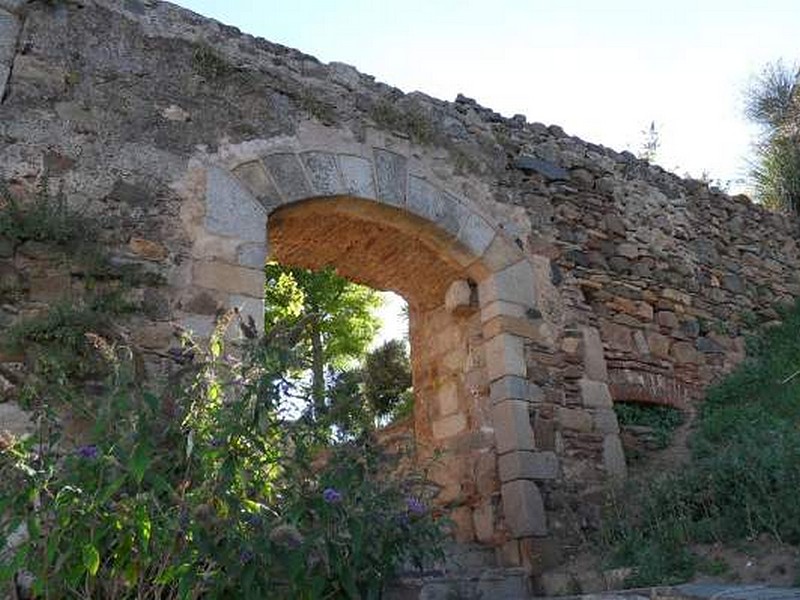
<point>388,249</point>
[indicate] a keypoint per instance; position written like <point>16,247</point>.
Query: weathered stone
<point>617,336</point>
<point>476,234</point>
<point>628,250</point>
<point>202,303</point>
<point>324,173</point>
<point>254,176</point>
<point>357,176</point>
<point>513,388</point>
<point>595,394</point>
<point>449,426</point>
<point>677,296</point>
<point>148,249</point>
<point>458,299</point>
<point>614,457</point>
<point>154,336</point>
<point>288,175</point>
<point>231,211</point>
<point>658,344</point>
<point>253,256</point>
<point>667,318</point>
<point>512,284</point>
<point>228,278</point>
<point>605,421</point>
<point>575,419</point>
<point>523,509</point>
<point>483,522</point>
<point>13,6</point>
<point>531,164</point>
<point>594,362</point>
<point>15,421</point>
<point>50,288</point>
<point>683,353</point>
<point>32,76</point>
<point>528,465</point>
<point>505,355</point>
<point>390,174</point>
<point>640,343</point>
<point>733,283</point>
<point>512,426</point>
<point>706,345</point>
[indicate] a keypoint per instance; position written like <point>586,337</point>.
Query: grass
<point>662,420</point>
<point>411,121</point>
<point>44,219</point>
<point>743,479</point>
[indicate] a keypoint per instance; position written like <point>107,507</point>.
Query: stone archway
<point>477,302</point>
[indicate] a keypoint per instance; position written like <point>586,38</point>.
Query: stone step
<point>488,584</point>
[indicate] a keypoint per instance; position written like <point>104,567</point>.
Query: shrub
<point>204,490</point>
<point>743,478</point>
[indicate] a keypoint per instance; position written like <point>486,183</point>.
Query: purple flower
<point>331,496</point>
<point>415,506</point>
<point>252,520</point>
<point>88,452</point>
<point>246,556</point>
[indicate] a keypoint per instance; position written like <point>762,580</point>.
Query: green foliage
<point>209,64</point>
<point>59,348</point>
<point>774,103</point>
<point>411,121</point>
<point>376,393</point>
<point>744,474</point>
<point>317,108</point>
<point>46,219</point>
<point>335,318</point>
<point>663,420</point>
<point>776,173</point>
<point>387,377</point>
<point>772,100</point>
<point>205,491</point>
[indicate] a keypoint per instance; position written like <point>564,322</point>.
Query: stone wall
<point>548,276</point>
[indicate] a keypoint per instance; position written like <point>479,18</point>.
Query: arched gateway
<point>477,303</point>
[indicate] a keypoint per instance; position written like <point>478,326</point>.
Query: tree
<point>376,392</point>
<point>337,318</point>
<point>773,102</point>
<point>387,378</point>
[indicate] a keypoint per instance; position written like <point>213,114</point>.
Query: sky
<point>602,70</point>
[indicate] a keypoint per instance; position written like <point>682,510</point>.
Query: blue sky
<point>601,70</point>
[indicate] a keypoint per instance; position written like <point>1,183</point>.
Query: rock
<point>531,164</point>
<point>15,421</point>
<point>148,249</point>
<point>658,344</point>
<point>6,247</point>
<point>683,353</point>
<point>459,298</point>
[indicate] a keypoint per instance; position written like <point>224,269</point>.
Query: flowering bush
<point>204,490</point>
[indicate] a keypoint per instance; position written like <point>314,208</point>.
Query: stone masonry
<point>547,277</point>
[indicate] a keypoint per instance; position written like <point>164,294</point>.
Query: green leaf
<point>139,462</point>
<point>190,443</point>
<point>215,347</point>
<point>91,559</point>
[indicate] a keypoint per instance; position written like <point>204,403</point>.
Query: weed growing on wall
<point>743,478</point>
<point>205,490</point>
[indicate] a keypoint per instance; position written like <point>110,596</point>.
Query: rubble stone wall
<point>548,277</point>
